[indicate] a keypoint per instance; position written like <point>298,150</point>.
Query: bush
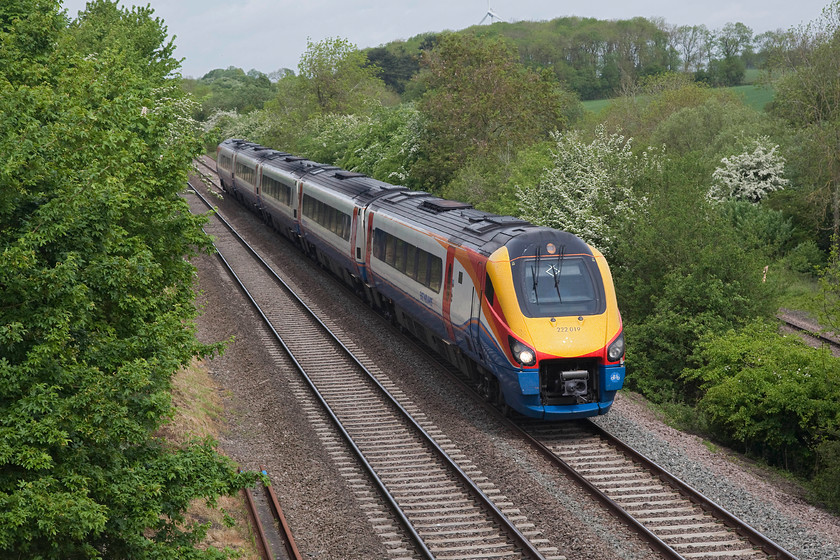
<point>759,227</point>
<point>825,486</point>
<point>806,258</point>
<point>681,270</point>
<point>772,395</point>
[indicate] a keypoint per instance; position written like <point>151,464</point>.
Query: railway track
<point>446,509</point>
<point>675,519</point>
<point>273,535</point>
<point>678,520</point>
<point>810,331</point>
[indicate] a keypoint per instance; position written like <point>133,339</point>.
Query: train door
<point>447,292</point>
<point>359,242</point>
<point>465,302</point>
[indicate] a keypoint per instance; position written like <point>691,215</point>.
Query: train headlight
<point>521,353</point>
<point>616,350</point>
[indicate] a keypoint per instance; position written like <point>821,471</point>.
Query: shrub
<point>806,258</point>
<point>776,397</point>
<point>825,486</point>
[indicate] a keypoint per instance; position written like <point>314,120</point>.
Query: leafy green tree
<point>381,143</point>
<point>96,297</point>
<point>480,102</point>
<point>334,77</point>
<point>808,98</point>
<point>230,89</point>
<point>830,288</point>
<point>681,270</point>
<point>139,37</point>
<point>397,64</point>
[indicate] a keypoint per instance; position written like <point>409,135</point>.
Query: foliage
<point>749,176</point>
<point>588,189</point>
<point>381,143</point>
<point>808,98</point>
<point>681,270</point>
<point>333,78</point>
<point>594,58</point>
<point>336,78</point>
<point>397,63</point>
<point>96,304</point>
<point>830,289</point>
<point>771,394</point>
<point>710,126</point>
<point>136,37</point>
<point>758,227</point>
<point>825,486</point>
<point>493,187</point>
<point>480,103</point>
<point>229,90</point>
<point>806,258</point>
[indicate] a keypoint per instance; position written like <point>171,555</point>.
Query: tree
<point>690,40</point>
<point>481,103</point>
<point>337,77</point>
<point>588,190</point>
<point>733,40</point>
<point>808,98</point>
<point>333,77</point>
<point>96,297</point>
<point>681,270</point>
<point>749,176</point>
<point>772,394</point>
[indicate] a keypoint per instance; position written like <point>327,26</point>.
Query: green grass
<point>596,105</point>
<point>752,93</point>
<point>755,96</point>
<point>796,290</point>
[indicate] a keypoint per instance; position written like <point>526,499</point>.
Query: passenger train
<point>528,313</point>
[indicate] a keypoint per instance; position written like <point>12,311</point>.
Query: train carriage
<point>529,312</point>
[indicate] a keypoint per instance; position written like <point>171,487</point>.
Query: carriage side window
<point>414,262</point>
<point>225,162</point>
<point>327,217</point>
<point>245,173</point>
<point>272,188</point>
<point>435,273</point>
<point>411,261</point>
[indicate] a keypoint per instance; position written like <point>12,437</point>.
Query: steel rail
<point>521,540</point>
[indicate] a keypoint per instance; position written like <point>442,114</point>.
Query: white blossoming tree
<point>751,175</point>
<point>589,187</point>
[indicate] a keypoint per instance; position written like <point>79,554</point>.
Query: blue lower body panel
<point>522,393</point>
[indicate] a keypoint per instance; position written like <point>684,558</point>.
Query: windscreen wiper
<point>559,271</point>
<point>535,275</point>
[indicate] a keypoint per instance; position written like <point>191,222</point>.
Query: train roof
<point>458,221</point>
<point>357,186</point>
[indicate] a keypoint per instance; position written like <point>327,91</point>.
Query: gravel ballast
<point>267,427</point>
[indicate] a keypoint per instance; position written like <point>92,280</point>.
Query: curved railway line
<point>676,520</point>
<point>445,509</point>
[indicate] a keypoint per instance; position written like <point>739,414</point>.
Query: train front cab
<point>557,345</point>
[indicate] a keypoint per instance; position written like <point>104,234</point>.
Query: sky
<point>267,35</point>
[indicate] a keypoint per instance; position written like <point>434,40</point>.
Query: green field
<point>753,94</point>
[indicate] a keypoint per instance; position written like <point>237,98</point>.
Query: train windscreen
<point>559,286</point>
